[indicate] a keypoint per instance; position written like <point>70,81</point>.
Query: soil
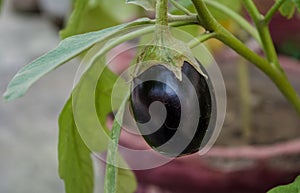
<point>273,119</point>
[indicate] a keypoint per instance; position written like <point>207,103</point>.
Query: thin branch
<point>180,7</point>
<point>202,38</point>
<point>253,11</point>
<point>264,33</point>
<point>275,74</point>
<point>235,17</point>
<point>273,10</point>
<point>185,18</point>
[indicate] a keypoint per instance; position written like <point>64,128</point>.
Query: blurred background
<point>29,131</point>
<point>28,126</point>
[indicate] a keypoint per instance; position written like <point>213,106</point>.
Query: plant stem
<point>161,25</point>
<point>111,174</point>
<point>205,17</point>
<point>161,13</point>
<point>245,99</point>
<point>193,17</point>
<point>181,8</point>
<point>253,11</point>
<point>236,17</point>
<point>200,39</point>
<point>275,74</point>
<point>268,46</point>
<point>264,33</point>
<point>269,15</point>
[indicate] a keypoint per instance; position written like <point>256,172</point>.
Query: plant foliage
<point>293,187</point>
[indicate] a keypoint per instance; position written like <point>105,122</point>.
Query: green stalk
<point>111,174</point>
<point>181,8</point>
<point>269,15</point>
<point>161,25</point>
<point>276,75</point>
<point>235,17</point>
<point>200,39</point>
<point>205,17</point>
<point>264,33</point>
<point>245,99</point>
<point>253,11</point>
<point>161,13</point>
<point>186,18</point>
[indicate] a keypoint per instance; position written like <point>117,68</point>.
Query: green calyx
<point>167,51</point>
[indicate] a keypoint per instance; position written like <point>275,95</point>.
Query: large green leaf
<point>104,95</point>
<point>66,50</point>
<point>148,5</point>
<point>290,188</point>
<point>125,12</point>
<point>75,163</point>
<point>92,15</point>
<point>92,102</point>
<point>87,17</point>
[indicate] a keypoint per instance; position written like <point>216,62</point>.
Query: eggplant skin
<point>164,87</point>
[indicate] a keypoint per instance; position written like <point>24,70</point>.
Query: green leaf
<point>125,12</point>
<point>88,16</point>
<point>235,5</point>
<point>121,180</point>
<point>66,50</point>
<point>104,95</point>
<point>75,163</point>
<point>290,188</point>
<point>92,15</point>
<point>148,5</point>
<point>287,9</point>
<point>92,98</point>
<point>0,5</point>
<point>298,5</point>
<point>126,181</point>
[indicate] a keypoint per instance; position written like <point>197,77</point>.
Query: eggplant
<point>184,105</point>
